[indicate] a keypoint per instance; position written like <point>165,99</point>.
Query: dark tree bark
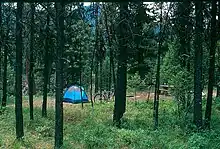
<point>91,82</point>
<point>101,60</point>
<point>31,63</point>
<point>59,75</point>
<point>101,77</point>
<point>120,93</point>
<point>93,55</point>
<point>46,68</point>
<point>157,85</point>
<point>198,65</point>
<point>96,75</point>
<point>1,36</point>
<point>112,55</point>
<point>211,65</point>
<point>218,67</point>
<point>4,97</point>
<point>96,52</point>
<point>140,51</point>
<point>80,75</point>
<point>18,83</point>
<point>218,91</point>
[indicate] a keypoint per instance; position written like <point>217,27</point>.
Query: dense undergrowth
<point>89,128</point>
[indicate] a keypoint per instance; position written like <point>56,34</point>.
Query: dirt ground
<point>139,96</point>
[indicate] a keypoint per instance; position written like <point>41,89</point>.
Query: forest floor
<point>89,128</point>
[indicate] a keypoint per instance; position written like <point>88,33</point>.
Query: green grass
<point>87,128</point>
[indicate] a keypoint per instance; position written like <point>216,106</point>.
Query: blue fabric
<point>73,95</point>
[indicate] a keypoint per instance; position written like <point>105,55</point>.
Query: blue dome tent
<point>73,95</point>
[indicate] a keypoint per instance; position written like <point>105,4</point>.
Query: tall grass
<point>92,129</point>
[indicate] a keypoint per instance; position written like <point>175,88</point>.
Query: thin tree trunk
<point>18,84</point>
<point>96,75</point>
<point>218,58</point>
<point>198,65</point>
<point>1,35</point>
<point>120,94</point>
<point>211,65</point>
<point>5,65</point>
<point>218,91</point>
<point>157,85</point>
<point>80,75</point>
<point>91,82</point>
<point>31,63</point>
<point>113,68</point>
<point>4,97</point>
<point>101,77</point>
<point>46,68</point>
<point>96,47</point>
<point>93,56</point>
<point>59,75</point>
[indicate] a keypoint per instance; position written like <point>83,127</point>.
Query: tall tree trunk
<point>198,65</point>
<point>18,83</point>
<point>1,35</point>
<point>93,55</point>
<point>218,58</point>
<point>101,77</point>
<point>157,85</point>
<point>31,63</point>
<point>112,64</point>
<point>80,75</point>
<point>6,48</point>
<point>96,47</point>
<point>46,68</point>
<point>4,97</point>
<point>120,93</point>
<point>211,65</point>
<point>96,75</point>
<point>91,78</point>
<point>59,75</point>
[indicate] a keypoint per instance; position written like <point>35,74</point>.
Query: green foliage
<point>134,82</point>
<point>93,129</point>
<point>182,79</point>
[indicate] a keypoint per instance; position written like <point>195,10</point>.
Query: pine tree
<point>211,64</point>
<point>31,62</point>
<point>198,65</point>
<point>157,85</point>
<point>46,67</point>
<point>59,75</point>
<point>18,84</point>
<point>120,93</point>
